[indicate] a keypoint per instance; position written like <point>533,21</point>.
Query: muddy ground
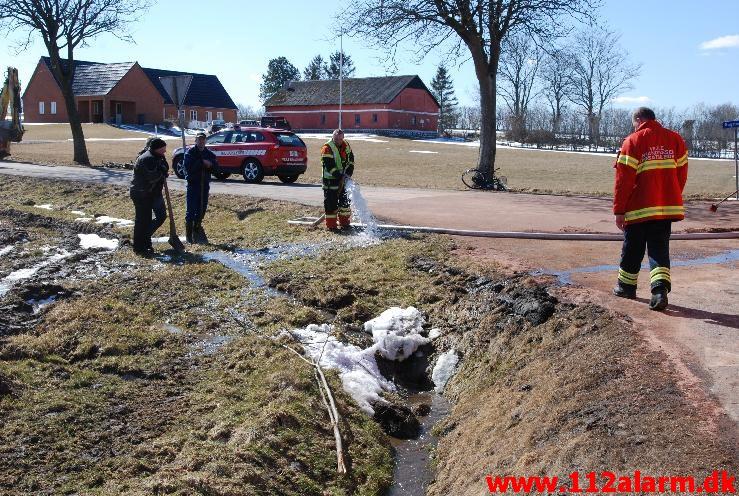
<point>120,375</point>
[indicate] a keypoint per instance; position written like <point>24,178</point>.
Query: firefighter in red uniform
<point>337,161</point>
<point>651,171</point>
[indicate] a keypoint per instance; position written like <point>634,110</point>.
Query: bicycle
<point>477,179</point>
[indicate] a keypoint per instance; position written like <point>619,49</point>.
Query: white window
<point>219,116</point>
<point>193,115</point>
<point>181,114</point>
<point>53,107</point>
<point>41,108</point>
<point>209,116</point>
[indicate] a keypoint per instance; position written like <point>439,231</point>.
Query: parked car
<point>253,153</point>
<point>276,122</point>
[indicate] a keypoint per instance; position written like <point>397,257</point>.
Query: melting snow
<point>446,366</point>
<point>104,219</point>
<point>77,212</point>
<point>165,239</point>
<point>434,333</point>
<point>84,219</point>
<point>396,333</point>
<point>360,376</point>
<point>90,241</point>
<point>46,206</point>
<point>422,151</point>
<point>6,250</point>
<point>22,274</point>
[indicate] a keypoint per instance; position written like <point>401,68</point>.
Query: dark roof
<point>205,90</point>
<point>95,78</point>
<point>356,91</point>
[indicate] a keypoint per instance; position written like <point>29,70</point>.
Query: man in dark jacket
<point>199,164</point>
<point>146,192</point>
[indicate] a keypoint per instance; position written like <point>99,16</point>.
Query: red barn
<point>122,93</point>
<point>394,105</point>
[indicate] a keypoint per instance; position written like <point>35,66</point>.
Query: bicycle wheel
<point>473,179</point>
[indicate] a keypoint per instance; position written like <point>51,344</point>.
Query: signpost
<point>177,88</point>
<point>735,126</point>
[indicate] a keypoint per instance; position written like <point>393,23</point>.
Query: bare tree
<point>556,80</point>
<point>601,72</point>
<point>248,112</point>
<point>479,25</point>
<point>519,64</point>
<point>64,26</point>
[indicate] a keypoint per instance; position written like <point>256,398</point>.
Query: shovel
<point>174,240</point>
<point>714,207</point>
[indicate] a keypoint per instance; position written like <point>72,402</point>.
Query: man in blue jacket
<point>199,164</point>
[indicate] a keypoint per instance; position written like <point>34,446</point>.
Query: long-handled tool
<point>714,207</point>
<point>174,240</point>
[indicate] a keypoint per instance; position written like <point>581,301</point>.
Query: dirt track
<point>700,330</point>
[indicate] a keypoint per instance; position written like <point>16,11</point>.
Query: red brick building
<point>122,93</point>
<point>396,105</point>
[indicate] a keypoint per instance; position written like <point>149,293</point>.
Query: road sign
<point>731,124</point>
<point>176,87</point>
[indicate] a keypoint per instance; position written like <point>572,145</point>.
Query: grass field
<point>403,163</point>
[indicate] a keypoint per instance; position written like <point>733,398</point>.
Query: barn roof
<point>356,91</point>
<point>95,78</point>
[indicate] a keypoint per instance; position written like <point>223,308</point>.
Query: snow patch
<point>104,219</point>
<point>434,333</point>
<point>91,241</point>
<point>45,206</point>
<point>6,250</point>
<point>165,239</point>
<point>360,375</point>
<point>23,274</point>
<point>446,366</point>
<point>397,332</point>
<point>422,151</point>
<point>84,219</point>
<point>77,212</point>
<point>371,138</point>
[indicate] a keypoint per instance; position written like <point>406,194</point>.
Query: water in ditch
<point>412,471</point>
<point>564,277</point>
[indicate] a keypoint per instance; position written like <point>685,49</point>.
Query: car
<point>276,122</point>
<point>254,153</point>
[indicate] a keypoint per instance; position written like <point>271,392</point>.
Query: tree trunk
<point>486,76</point>
<point>78,136</point>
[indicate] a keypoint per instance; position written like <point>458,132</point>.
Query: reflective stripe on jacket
<point>335,163</point>
<point>651,172</point>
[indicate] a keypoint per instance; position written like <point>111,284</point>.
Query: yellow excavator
<point>11,130</point>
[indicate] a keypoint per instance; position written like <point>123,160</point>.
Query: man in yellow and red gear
<point>651,172</point>
<point>337,160</point>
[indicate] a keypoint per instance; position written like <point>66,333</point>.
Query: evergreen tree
<point>315,70</point>
<point>279,72</point>
<point>443,89</point>
<point>332,68</point>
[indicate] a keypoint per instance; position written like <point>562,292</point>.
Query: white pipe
<point>307,221</point>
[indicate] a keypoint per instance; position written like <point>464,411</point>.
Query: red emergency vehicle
<point>253,153</point>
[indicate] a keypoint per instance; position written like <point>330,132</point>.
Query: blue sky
<point>689,50</point>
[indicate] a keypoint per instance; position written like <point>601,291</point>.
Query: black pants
<point>144,226</point>
<point>654,237</point>
<point>334,200</point>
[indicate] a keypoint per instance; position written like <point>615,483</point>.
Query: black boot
<point>624,291</point>
<point>188,232</point>
<point>199,234</point>
<point>659,300</point>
